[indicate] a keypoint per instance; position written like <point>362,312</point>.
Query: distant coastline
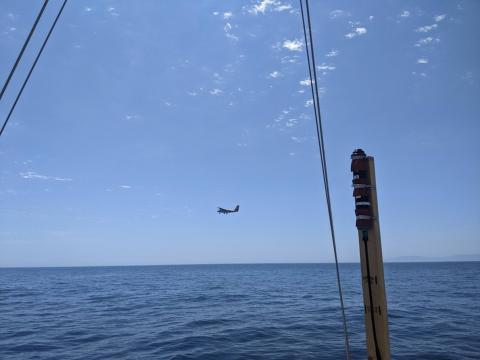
<point>452,258</point>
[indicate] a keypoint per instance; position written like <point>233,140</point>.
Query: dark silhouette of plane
<point>228,211</point>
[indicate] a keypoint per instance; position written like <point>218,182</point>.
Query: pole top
<point>358,154</point>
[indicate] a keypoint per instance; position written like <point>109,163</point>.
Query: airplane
<point>228,211</point>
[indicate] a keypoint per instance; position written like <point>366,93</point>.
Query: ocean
<point>270,311</point>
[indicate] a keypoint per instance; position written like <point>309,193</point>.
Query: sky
<point>142,117</point>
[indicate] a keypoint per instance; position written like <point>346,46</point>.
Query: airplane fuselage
<point>228,211</point>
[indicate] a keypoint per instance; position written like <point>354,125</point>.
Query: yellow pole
<point>373,284</point>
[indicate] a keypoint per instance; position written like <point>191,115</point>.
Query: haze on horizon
<point>140,120</point>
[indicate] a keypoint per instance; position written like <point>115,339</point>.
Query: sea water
<point>286,311</point>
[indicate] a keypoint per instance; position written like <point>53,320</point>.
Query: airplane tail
<point>237,208</point>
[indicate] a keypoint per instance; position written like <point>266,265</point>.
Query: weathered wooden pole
<point>373,284</point>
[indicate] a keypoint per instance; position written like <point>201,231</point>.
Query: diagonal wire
<point>33,67</point>
<point>321,145</point>
<point>19,57</point>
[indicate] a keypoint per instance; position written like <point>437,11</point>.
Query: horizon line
<point>232,263</point>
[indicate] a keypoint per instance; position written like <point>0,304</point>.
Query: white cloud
<point>361,30</point>
<point>357,32</point>
<point>405,14</point>
<point>125,187</point>
<point>439,18</point>
<point>215,13</point>
<point>227,15</point>
<point>426,28</point>
<point>216,92</point>
<point>87,9</point>
<point>332,53</point>
<point>308,103</point>
<point>305,82</point>
<point>291,154</point>
<point>370,18</point>
<point>263,6</point>
<point>34,175</point>
<point>293,45</point>
<point>422,61</point>
<point>274,74</point>
<point>335,14</point>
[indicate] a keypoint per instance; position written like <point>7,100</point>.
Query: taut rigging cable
<point>33,67</point>
<point>20,54</point>
<point>321,147</point>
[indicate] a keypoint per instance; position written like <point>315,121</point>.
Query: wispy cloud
<point>216,92</point>
<point>421,74</point>
<point>227,15</point>
<point>10,30</point>
<point>289,59</point>
<point>282,7</point>
<point>274,74</point>
<point>325,68</point>
<point>126,187</point>
<point>291,123</point>
<point>112,11</point>
<point>297,139</point>
<point>426,41</point>
<point>131,117</point>
<point>332,53</point>
<point>405,14</point>
<point>305,82</point>
<point>293,45</point>
<point>228,31</point>
<point>426,28</point>
<point>34,175</point>
<point>439,18</point>
<point>469,77</point>
<point>422,61</point>
<point>335,14</point>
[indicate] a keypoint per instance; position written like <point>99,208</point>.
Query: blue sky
<point>142,117</point>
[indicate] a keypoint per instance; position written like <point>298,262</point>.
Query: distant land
<point>474,257</point>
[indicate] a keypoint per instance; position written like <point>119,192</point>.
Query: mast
<point>373,284</point>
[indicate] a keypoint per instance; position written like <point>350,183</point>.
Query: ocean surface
<point>288,311</point>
